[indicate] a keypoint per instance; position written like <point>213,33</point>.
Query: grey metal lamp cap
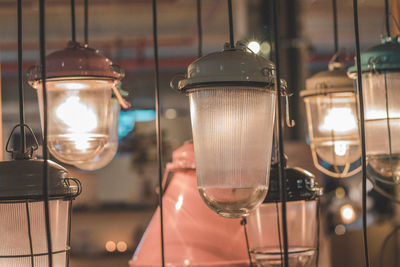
<point>21,180</point>
<point>230,67</point>
<point>334,80</point>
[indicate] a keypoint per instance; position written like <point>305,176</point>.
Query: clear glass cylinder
<point>15,249</point>
<point>264,227</point>
<point>78,124</point>
<point>232,135</point>
<point>111,147</point>
<point>333,127</point>
<point>382,123</point>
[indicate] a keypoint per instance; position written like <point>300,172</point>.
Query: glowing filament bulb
<point>339,120</point>
<point>340,148</point>
<point>347,213</point>
<point>79,119</point>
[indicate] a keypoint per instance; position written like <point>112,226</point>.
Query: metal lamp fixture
<point>265,223</point>
<point>380,67</point>
<point>25,224</point>
<point>332,122</point>
<point>79,83</point>
<point>232,104</point>
<point>22,224</point>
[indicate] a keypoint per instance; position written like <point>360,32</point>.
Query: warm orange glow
<point>110,246</point>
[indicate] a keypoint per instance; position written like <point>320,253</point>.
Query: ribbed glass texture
<point>264,227</point>
<point>382,123</point>
<point>15,249</point>
<point>111,147</point>
<point>232,134</point>
<point>78,122</point>
<point>333,127</point>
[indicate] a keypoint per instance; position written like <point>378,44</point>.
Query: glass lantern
<point>232,106</point>
<point>111,147</point>
<point>79,83</point>
<point>380,67</point>
<point>22,221</point>
<point>302,209</point>
<point>332,122</point>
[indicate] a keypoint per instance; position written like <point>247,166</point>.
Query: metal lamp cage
<point>22,224</point>
<point>380,68</point>
<point>332,122</point>
<point>265,224</point>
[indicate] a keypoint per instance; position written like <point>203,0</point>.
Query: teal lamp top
<point>383,57</point>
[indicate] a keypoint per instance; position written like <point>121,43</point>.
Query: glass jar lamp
<point>78,84</point>
<point>302,210</point>
<point>380,67</point>
<point>232,105</point>
<point>332,122</point>
<point>22,220</point>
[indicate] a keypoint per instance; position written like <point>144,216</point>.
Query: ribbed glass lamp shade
<point>382,123</point>
<point>79,83</point>
<point>15,237</point>
<point>232,106</point>
<point>111,147</point>
<point>380,68</point>
<point>23,222</point>
<point>232,133</point>
<point>332,122</point>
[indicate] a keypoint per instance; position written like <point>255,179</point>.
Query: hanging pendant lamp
<point>380,67</point>
<point>332,122</point>
<point>232,105</point>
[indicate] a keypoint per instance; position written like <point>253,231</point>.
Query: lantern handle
<point>27,154</point>
<point>124,104</point>
<point>78,185</point>
<point>174,83</point>
<point>289,122</point>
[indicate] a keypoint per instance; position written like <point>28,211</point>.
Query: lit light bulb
<point>111,147</point>
<point>78,117</point>
<point>340,120</point>
<point>347,213</point>
<point>254,46</point>
<point>340,148</point>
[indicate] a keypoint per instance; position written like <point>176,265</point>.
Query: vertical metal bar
<point>73,32</point>
<point>387,17</point>
<point>68,253</point>
<point>388,129</point>
<point>362,133</point>
<point>231,37</point>
<point>199,30</point>
<point>20,82</point>
<point>335,27</point>
<point>158,126</point>
<point>86,21</point>
<point>45,127</point>
<point>282,175</point>
<point>244,223</point>
<point>279,231</point>
<point>28,220</point>
<point>318,232</point>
